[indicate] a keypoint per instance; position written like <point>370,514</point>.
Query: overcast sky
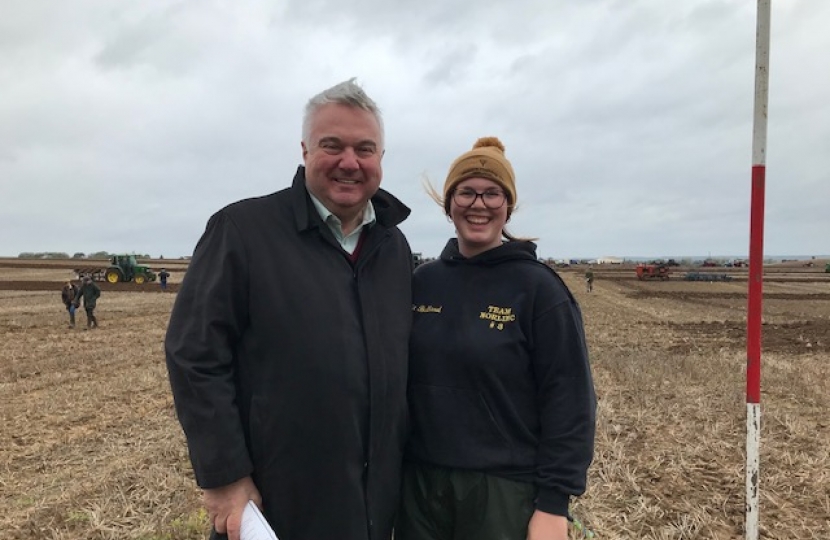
<point>125,125</point>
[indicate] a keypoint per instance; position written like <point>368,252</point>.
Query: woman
<point>500,390</point>
<point>68,295</point>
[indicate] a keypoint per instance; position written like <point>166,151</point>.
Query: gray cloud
<point>619,116</point>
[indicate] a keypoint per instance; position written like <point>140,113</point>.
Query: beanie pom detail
<point>493,142</point>
<point>486,160</point>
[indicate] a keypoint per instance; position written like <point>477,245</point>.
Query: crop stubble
<point>91,448</point>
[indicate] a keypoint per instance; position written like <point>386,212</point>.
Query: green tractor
<point>125,268</point>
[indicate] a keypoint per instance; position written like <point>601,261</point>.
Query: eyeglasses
<point>492,198</point>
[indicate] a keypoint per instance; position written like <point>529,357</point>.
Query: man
<point>163,275</point>
<point>68,294</point>
<point>89,293</point>
<point>287,344</point>
<point>589,279</point>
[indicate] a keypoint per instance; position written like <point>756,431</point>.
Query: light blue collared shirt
<point>347,242</point>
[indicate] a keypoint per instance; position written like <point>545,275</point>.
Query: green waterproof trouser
<point>454,504</point>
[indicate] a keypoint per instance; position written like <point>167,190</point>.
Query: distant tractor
<point>652,271</point>
<point>121,268</point>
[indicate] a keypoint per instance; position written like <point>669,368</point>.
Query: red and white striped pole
<point>756,271</point>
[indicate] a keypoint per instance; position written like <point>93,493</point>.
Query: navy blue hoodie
<point>499,378</point>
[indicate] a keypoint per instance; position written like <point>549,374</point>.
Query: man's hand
<point>544,526</point>
<point>226,504</point>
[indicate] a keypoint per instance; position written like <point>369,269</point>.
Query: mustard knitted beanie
<point>485,160</point>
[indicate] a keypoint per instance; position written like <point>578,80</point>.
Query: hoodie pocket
<point>455,427</point>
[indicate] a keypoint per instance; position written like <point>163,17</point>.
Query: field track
<point>25,285</point>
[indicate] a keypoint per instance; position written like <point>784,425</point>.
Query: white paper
<point>254,526</point>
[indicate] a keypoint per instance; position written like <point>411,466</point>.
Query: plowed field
<point>91,449</point>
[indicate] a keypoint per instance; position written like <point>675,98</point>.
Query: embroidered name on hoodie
<point>498,316</point>
<point>427,309</point>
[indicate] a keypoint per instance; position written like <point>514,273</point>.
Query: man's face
<point>342,159</point>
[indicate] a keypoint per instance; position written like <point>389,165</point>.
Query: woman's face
<point>479,226</point>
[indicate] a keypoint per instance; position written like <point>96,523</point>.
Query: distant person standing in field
<point>287,344</point>
<point>163,275</point>
<point>69,293</point>
<point>89,293</point>
<point>589,279</point>
<point>501,397</point>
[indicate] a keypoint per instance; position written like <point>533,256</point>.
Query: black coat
<point>290,365</point>
<point>68,294</point>
<point>89,292</point>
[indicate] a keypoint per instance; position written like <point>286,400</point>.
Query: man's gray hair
<point>347,93</point>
